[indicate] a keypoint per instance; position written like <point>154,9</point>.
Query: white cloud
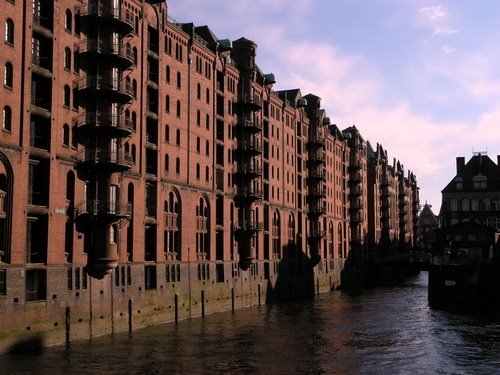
<point>437,18</point>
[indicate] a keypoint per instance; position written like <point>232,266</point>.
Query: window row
<point>474,204</point>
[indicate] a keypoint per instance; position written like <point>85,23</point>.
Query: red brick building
<point>149,172</point>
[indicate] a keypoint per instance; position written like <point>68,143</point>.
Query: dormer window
<point>459,183</point>
<point>479,182</point>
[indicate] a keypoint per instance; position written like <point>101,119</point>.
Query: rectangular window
<point>3,282</point>
<point>36,285</point>
<point>70,278</point>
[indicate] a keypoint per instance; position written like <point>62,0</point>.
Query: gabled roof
<point>479,166</point>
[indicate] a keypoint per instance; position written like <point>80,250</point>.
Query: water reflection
<point>379,331</point>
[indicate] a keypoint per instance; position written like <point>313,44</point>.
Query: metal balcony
<point>316,157</point>
<point>316,140</point>
<point>248,227</point>
<point>356,165</point>
<point>103,160</point>
<point>250,101</point>
<point>248,125</point>
<point>249,146</point>
<point>97,12</point>
<point>106,211</point>
<point>249,193</point>
<point>316,175</point>
<point>356,191</point>
<point>117,54</point>
<point>95,86</point>
<point>103,123</point>
<point>317,209</point>
<point>317,192</point>
<point>250,170</point>
<point>317,234</point>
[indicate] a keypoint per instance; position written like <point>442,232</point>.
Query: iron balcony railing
<point>99,207</point>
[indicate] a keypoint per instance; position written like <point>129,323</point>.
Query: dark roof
<point>479,165</point>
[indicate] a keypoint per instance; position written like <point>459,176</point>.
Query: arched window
<point>339,241</point>
<point>134,120</point>
<point>167,162</point>
<point>486,204</point>
<point>68,20</point>
<point>74,137</point>
<point>167,103</point>
<point>65,139</point>
<point>179,80</point>
<point>198,145</point>
<point>198,91</point>
<point>331,240</point>
<point>134,54</point>
<point>453,205</point>
<point>207,147</point>
<point>198,117</point>
<point>67,58</point>
<point>9,31</point>
<point>177,166</point>
<point>202,229</point>
<point>178,137</point>
<point>8,76</point>
<point>132,151</point>
<point>167,73</point>
<point>276,238</point>
<point>67,96</point>
<point>76,64</point>
<point>134,88</point>
<point>208,95</point>
<point>167,133</point>
<point>75,98</point>
<point>172,234</point>
<point>465,205</point>
<point>197,171</point>
<point>474,204</point>
<point>207,121</point>
<point>178,112</point>
<point>7,118</point>
<point>207,174</point>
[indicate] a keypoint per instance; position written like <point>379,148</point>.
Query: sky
<point>419,77</point>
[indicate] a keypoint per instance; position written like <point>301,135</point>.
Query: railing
<point>96,8</point>
<point>249,168</point>
<point>103,155</point>
<point>249,225</point>
<point>99,207</point>
<point>317,191</point>
<point>250,124</point>
<point>251,144</point>
<point>250,191</point>
<point>317,233</point>
<point>97,82</point>
<point>317,174</point>
<point>104,119</point>
<point>250,99</point>
<point>316,138</point>
<point>105,46</point>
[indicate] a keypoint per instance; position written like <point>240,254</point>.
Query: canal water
<point>389,330</point>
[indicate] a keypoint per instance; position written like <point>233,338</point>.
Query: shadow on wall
<point>294,276</point>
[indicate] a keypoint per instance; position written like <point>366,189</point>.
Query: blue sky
<point>422,78</point>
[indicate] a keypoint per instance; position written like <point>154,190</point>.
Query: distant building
<point>474,193</point>
<point>428,222</point>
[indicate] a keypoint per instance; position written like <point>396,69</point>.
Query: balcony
<point>317,192</point>
<point>249,145</point>
<point>103,160</point>
<point>317,209</point>
<point>104,123</point>
<point>356,191</point>
<point>251,170</point>
<point>201,224</point>
<point>118,54</point>
<point>249,193</point>
<point>315,140</point>
<point>356,178</point>
<point>95,86</point>
<point>355,165</point>
<point>248,125</point>
<point>316,234</point>
<point>97,12</point>
<point>111,210</point>
<point>316,157</point>
<point>356,218</point>
<point>317,175</point>
<point>248,227</point>
<point>250,101</point>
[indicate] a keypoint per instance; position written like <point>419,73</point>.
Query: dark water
<point>380,331</point>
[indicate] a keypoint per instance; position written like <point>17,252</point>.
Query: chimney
<point>460,164</point>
